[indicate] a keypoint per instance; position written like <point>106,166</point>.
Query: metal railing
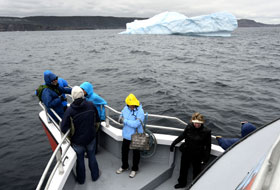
<point>57,153</point>
<point>108,118</point>
<point>59,157</point>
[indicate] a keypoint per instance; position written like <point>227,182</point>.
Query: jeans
<point>92,162</point>
<point>135,158</point>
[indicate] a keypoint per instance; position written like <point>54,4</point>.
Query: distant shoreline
<point>41,23</point>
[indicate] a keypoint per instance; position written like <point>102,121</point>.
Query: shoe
<point>177,186</point>
<point>121,170</point>
<point>132,174</point>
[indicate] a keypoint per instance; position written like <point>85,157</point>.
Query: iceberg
<point>216,24</point>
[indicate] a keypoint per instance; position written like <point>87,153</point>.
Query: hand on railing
<point>121,119</point>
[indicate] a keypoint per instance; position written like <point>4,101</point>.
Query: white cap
<point>77,92</point>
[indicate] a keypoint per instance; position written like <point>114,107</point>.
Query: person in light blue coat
<point>246,128</point>
<point>95,98</point>
<point>131,115</point>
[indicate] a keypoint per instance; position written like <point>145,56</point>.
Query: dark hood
<point>247,128</point>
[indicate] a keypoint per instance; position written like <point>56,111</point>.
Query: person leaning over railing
<point>246,128</point>
<point>84,116</point>
<point>131,114</point>
<point>196,149</point>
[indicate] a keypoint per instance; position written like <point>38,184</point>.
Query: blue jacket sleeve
<point>64,90</point>
<point>98,100</point>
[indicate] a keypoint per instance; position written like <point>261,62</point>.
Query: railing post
<point>59,161</point>
<point>107,119</point>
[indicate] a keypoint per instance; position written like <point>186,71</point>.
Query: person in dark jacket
<point>52,96</point>
<point>246,128</point>
<point>84,116</point>
<point>195,150</point>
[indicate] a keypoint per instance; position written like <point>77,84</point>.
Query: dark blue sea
<point>228,80</point>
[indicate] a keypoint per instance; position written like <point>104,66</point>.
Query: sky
<point>265,11</point>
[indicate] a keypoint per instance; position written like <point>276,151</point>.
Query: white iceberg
<point>216,24</point>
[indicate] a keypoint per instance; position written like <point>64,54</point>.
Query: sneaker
<point>132,174</point>
<point>121,170</point>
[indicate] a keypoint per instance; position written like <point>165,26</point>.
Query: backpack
<point>39,91</point>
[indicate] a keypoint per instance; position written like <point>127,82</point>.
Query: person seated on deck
<point>52,95</point>
<point>84,116</point>
<point>195,150</point>
<point>131,115</point>
<point>98,103</point>
<point>246,128</point>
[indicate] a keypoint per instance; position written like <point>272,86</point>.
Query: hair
<point>197,116</point>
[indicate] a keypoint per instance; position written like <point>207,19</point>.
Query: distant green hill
<point>36,23</point>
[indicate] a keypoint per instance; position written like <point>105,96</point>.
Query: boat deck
<point>149,174</point>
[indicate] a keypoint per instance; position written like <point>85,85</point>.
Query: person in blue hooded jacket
<point>246,128</point>
<point>98,103</point>
<point>131,115</point>
<point>52,95</point>
<point>62,83</point>
<point>95,98</point>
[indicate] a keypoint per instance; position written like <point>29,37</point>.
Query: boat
<point>159,168</point>
<point>251,164</point>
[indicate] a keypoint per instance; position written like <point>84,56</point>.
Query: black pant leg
<point>185,164</point>
<point>125,152</point>
<point>136,159</point>
<point>196,163</point>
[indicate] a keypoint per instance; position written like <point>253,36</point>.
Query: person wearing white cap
<point>195,150</point>
<point>84,116</point>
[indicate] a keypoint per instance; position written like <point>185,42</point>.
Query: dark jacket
<point>85,116</point>
<point>51,95</point>
<point>197,142</point>
<point>246,129</point>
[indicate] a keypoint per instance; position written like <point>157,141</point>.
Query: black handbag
<point>140,141</point>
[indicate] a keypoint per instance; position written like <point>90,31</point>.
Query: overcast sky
<point>266,11</point>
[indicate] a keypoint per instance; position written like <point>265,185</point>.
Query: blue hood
<point>98,101</point>
<point>91,96</point>
<point>88,88</point>
<point>247,128</point>
<point>49,77</point>
<point>62,82</point>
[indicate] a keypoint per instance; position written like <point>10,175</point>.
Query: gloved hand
<point>62,98</point>
<point>172,148</point>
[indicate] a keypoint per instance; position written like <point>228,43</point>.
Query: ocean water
<point>228,80</point>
